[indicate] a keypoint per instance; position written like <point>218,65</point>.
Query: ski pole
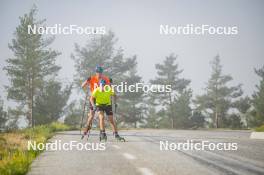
<point>115,107</point>
<point>84,107</point>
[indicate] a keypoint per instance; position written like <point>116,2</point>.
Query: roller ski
<point>103,137</point>
<point>86,132</point>
<point>119,138</point>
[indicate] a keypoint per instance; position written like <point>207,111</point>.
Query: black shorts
<point>105,108</point>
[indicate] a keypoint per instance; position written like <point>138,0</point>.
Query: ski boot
<point>86,132</point>
<point>118,138</point>
<point>103,136</point>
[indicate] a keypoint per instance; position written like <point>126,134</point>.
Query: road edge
<point>257,135</point>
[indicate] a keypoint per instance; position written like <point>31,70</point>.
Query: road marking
<point>116,146</point>
<point>129,156</point>
<point>145,171</point>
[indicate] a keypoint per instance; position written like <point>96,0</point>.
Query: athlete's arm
<point>86,82</point>
<point>92,100</point>
<point>93,97</point>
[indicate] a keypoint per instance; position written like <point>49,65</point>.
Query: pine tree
<point>197,119</point>
<point>3,115</point>
<point>50,102</point>
<point>131,103</point>
<point>151,116</point>
<point>258,99</point>
<point>73,113</point>
<point>219,97</point>
<point>182,109</point>
<point>31,64</point>
<point>169,74</point>
<point>102,50</point>
<point>243,106</point>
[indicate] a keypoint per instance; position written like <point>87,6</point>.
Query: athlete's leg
<point>102,125</point>
<point>109,113</point>
<point>101,120</point>
<point>112,123</point>
<point>114,128</point>
<point>90,118</point>
<point>89,121</point>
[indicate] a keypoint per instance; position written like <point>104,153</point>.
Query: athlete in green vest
<point>101,102</point>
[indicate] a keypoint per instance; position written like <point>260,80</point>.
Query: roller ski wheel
<point>103,137</point>
<point>120,139</point>
<point>86,133</point>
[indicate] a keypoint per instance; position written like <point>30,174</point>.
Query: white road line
<point>145,171</point>
<point>116,146</point>
<point>129,156</point>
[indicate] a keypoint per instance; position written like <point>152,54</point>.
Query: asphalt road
<point>141,154</point>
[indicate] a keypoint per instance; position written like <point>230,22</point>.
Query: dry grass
<point>16,140</point>
<point>15,158</point>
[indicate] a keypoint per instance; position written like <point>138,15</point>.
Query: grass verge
<point>15,158</point>
<point>260,129</point>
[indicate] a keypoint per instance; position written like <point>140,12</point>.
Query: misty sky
<point>136,24</point>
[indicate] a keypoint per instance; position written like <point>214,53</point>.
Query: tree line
<point>41,98</point>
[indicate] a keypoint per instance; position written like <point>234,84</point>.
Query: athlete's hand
<point>84,85</point>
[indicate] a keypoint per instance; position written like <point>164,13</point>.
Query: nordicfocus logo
<point>58,145</point>
<point>191,145</point>
<point>66,30</point>
<point>204,29</point>
<point>137,87</point>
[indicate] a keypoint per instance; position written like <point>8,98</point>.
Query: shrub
<point>260,129</point>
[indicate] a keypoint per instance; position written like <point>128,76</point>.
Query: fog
<point>137,26</point>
